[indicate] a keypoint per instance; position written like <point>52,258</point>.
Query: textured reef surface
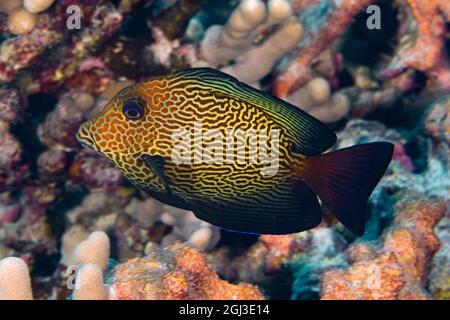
<point>71,226</point>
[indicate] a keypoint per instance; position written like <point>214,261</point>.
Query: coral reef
<point>139,226</point>
<point>423,52</point>
<point>255,37</point>
<point>404,252</point>
<point>398,269</point>
<point>176,273</point>
<point>57,198</point>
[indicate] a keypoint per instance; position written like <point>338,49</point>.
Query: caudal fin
<point>344,180</point>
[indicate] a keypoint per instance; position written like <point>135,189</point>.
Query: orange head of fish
<point>123,129</point>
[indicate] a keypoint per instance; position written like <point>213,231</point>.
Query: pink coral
<point>402,157</point>
<point>427,50</point>
<point>52,163</point>
<point>19,52</point>
<point>422,39</point>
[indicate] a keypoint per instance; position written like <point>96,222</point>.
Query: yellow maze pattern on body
<point>174,103</point>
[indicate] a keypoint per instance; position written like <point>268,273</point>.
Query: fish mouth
<point>84,136</point>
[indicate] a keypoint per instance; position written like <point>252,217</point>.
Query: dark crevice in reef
<point>56,214</point>
<point>135,25</point>
<point>125,54</point>
<point>380,215</point>
<point>280,287</point>
<point>26,131</point>
<point>114,245</point>
<point>405,112</point>
<point>45,265</point>
<point>364,47</point>
<point>367,47</point>
<point>417,149</point>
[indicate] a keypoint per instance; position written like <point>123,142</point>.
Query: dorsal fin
<point>309,135</point>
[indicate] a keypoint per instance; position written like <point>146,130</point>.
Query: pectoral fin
<point>156,164</point>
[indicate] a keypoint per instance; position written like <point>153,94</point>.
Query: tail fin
<point>344,180</point>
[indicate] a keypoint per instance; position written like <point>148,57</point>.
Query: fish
<point>237,157</point>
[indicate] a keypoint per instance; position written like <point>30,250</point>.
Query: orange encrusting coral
<point>178,272</point>
<point>380,278</point>
<point>398,270</point>
<point>422,42</point>
<point>427,50</point>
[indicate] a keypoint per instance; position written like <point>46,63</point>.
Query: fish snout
<point>84,136</point>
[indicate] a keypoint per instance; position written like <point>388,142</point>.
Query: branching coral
<point>89,283</point>
<point>15,282</point>
<point>91,259</point>
<point>254,38</point>
<point>177,272</point>
<point>95,249</point>
<point>235,40</point>
<point>186,227</point>
<point>424,51</point>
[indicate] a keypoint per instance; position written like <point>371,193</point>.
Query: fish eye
<point>133,110</point>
